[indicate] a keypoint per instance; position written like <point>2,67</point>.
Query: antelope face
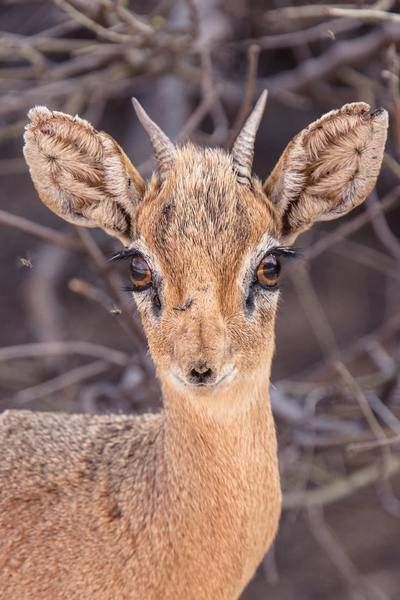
<point>205,271</point>
<point>204,239</point>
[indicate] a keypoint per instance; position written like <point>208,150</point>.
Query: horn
<point>243,148</point>
<point>164,149</point>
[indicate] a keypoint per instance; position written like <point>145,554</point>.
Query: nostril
<point>201,374</point>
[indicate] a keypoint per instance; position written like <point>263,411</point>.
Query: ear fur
<point>328,168</point>
<point>81,174</point>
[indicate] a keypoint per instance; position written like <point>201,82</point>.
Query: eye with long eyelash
<point>286,251</point>
<point>125,254</point>
<point>141,278</point>
<point>122,255</point>
<point>268,271</point>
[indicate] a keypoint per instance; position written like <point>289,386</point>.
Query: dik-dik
<point>180,505</point>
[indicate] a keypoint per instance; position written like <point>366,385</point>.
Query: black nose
<point>201,373</point>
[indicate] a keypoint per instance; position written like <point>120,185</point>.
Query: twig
<point>326,10</point>
<point>115,289</point>
<point>21,46</point>
<point>194,19</point>
<point>385,414</point>
<point>72,377</point>
<point>253,54</point>
<point>217,112</point>
<point>292,412</point>
<point>345,566</point>
<point>39,350</point>
<point>317,69</point>
<point>65,27</point>
<point>373,444</point>
<point>387,330</point>
<point>197,116</point>
<point>314,311</point>
<point>342,486</point>
<point>359,395</point>
<point>51,45</point>
<point>135,23</point>
<point>382,229</point>
<point>85,289</point>
<point>353,225</point>
<point>44,309</point>
<point>85,21</point>
<point>392,164</point>
<point>322,31</point>
<point>40,231</point>
<point>392,75</point>
<point>369,257</point>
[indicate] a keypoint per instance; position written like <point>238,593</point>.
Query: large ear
<point>81,174</point>
<point>328,168</point>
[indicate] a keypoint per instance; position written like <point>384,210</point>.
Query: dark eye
<point>268,272</point>
<point>140,274</point>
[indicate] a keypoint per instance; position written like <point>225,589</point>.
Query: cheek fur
<point>248,338</point>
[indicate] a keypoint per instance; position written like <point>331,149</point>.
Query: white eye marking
<point>139,246</point>
<point>252,260</point>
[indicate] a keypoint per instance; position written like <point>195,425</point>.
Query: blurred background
<point>70,339</point>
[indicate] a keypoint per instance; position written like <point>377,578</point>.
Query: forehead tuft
<point>202,207</point>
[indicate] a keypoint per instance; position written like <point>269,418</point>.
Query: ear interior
<point>81,174</point>
<point>329,168</point>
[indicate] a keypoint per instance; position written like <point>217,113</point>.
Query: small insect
<point>25,261</point>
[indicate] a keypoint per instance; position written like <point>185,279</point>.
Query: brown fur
<point>180,505</point>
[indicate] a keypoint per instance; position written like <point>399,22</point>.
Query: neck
<point>225,438</point>
<point>214,490</point>
<point>221,459</point>
<point>237,418</point>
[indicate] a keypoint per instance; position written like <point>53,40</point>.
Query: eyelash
<point>125,255</point>
<point>122,255</point>
<point>285,251</point>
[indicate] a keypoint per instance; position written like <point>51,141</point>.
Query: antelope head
<point>204,238</point>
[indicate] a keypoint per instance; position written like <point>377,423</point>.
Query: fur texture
<point>184,504</point>
<point>81,174</point>
<point>329,168</point>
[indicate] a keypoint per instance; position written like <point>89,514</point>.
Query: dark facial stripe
<point>127,218</point>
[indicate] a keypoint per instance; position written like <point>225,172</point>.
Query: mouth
<point>225,378</point>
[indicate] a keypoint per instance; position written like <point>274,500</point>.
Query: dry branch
<point>342,486</point>
<point>327,10</point>
<point>115,288</point>
<point>39,350</point>
<point>44,233</point>
<point>43,390</point>
<point>314,70</point>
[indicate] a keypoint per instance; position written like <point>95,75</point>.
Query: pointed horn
<point>243,148</point>
<point>164,149</point>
